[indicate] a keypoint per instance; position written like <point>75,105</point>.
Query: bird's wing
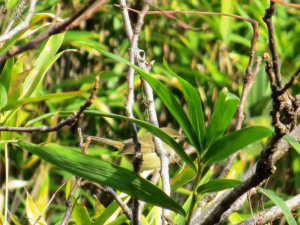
<point>146,144</point>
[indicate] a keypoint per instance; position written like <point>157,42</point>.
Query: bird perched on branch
<point>150,159</point>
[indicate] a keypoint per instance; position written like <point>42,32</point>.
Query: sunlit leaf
<point>46,58</point>
<point>224,110</point>
<point>194,107</point>
<point>33,213</point>
<point>80,213</point>
<point>56,96</point>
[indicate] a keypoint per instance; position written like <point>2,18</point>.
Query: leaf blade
<point>102,172</point>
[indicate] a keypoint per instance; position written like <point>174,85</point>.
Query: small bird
<point>150,159</point>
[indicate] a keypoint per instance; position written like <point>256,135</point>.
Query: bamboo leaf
<point>225,108</point>
<point>194,107</point>
<point>233,142</point>
<point>56,96</point>
<point>102,172</point>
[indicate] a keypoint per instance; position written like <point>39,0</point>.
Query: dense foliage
<point>197,77</point>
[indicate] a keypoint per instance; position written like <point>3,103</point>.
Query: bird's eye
<point>175,138</point>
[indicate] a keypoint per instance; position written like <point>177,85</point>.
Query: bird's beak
<point>182,136</point>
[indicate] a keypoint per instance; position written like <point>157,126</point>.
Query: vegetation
<point>224,74</point>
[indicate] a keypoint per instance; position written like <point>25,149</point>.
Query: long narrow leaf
<point>102,172</point>
<point>195,108</point>
<point>56,96</point>
<point>225,108</point>
<point>156,131</point>
<point>233,142</point>
<point>46,58</point>
<point>217,185</point>
<point>281,204</point>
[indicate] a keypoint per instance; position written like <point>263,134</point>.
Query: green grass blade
<point>233,142</point>
<point>102,172</point>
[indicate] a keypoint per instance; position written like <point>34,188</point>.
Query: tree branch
<point>67,122</point>
<point>61,27</point>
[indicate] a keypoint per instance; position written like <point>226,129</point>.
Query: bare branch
<point>268,20</point>
<point>67,122</point>
<point>61,27</point>
<point>21,26</point>
<point>113,194</point>
<point>68,211</point>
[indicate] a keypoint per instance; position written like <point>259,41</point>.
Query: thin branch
<point>282,149</point>
<point>113,194</point>
<point>61,27</point>
<point>55,193</point>
<point>21,26</point>
<point>137,162</point>
<point>297,6</point>
<point>268,20</point>
<point>68,211</point>
<point>269,215</point>
<point>168,13</point>
<point>67,122</point>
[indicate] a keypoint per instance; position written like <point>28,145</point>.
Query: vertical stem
<point>6,183</point>
<point>194,197</point>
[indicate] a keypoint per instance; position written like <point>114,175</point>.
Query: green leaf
<point>102,172</point>
<point>195,109</point>
<point>226,21</point>
<point>225,108</point>
<point>56,96</point>
<point>80,213</point>
<point>109,211</point>
<point>3,96</point>
<point>233,142</point>
<point>217,185</point>
<point>156,131</point>
<point>293,142</point>
<point>281,204</point>
<point>6,74</point>
<point>182,178</point>
<point>119,220</point>
<point>165,95</point>
<point>32,212</point>
<point>17,79</point>
<point>46,58</point>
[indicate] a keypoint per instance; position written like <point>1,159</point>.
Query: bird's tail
<point>117,144</point>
